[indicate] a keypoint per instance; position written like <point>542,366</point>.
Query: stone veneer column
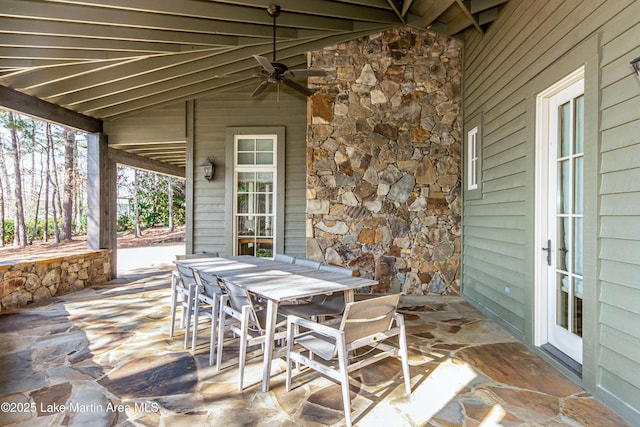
<point>384,160</point>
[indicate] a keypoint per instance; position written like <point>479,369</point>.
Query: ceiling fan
<point>276,72</point>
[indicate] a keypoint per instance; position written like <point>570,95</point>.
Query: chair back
<point>196,256</point>
<point>287,259</point>
<point>187,272</point>
<point>307,263</point>
<point>336,269</point>
<point>208,282</point>
<point>240,297</point>
<point>368,317</point>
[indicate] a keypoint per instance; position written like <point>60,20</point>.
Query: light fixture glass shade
<point>208,169</point>
<point>636,66</point>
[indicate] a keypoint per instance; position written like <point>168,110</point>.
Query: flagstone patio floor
<point>103,357</point>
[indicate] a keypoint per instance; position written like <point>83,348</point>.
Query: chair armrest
<point>313,326</point>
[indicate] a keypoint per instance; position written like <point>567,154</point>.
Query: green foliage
<point>125,222</point>
<point>153,199</point>
<point>9,230</point>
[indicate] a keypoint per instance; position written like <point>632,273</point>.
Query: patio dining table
<point>276,282</point>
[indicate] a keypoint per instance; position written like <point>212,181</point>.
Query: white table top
<point>273,280</point>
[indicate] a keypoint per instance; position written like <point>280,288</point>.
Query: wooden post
<point>101,198</point>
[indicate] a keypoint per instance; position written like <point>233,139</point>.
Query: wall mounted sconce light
<point>636,66</point>
<point>208,169</point>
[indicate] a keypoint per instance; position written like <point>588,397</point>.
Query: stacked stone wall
<point>25,282</point>
<point>383,160</point>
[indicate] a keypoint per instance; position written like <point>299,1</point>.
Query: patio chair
<point>307,263</point>
<point>365,324</point>
<point>206,301</point>
<point>287,259</point>
<point>182,286</point>
<point>245,320</point>
<point>320,305</point>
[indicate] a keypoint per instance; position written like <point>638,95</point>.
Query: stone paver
<point>102,357</point>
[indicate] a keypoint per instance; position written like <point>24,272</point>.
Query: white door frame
<point>541,311</point>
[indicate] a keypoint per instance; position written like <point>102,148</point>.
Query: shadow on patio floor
<point>102,356</point>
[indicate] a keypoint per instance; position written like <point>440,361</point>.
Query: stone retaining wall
<point>26,281</point>
<point>383,160</point>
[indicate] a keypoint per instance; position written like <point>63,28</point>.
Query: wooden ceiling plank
<point>478,6</point>
<point>488,16</point>
<point>66,54</point>
<point>125,18</point>
<point>374,11</point>
<point>465,10</point>
<point>398,13</point>
<point>65,42</point>
<point>96,74</point>
<point>106,32</point>
<point>220,12</point>
<point>433,12</point>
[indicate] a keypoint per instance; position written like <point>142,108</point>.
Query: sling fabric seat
<point>366,323</point>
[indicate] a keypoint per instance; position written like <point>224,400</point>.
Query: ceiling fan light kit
<point>276,72</point>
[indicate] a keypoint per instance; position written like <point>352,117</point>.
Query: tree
<point>170,203</point>
<point>20,234</point>
<point>136,213</point>
<point>67,208</point>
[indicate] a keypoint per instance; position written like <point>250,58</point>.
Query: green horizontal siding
<point>504,69</point>
<point>212,118</point>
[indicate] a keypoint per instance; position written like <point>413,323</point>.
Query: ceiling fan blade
<point>297,86</point>
<point>261,87</point>
<point>300,74</point>
<point>265,63</point>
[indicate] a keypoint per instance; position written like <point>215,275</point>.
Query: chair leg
<point>404,354</point>
<point>188,317</point>
<point>196,315</point>
<point>290,333</point>
<point>244,328</point>
<point>220,333</point>
<point>344,370</point>
<point>174,301</point>
<point>214,308</point>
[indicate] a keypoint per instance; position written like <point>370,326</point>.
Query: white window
<point>255,178</point>
<point>472,156</point>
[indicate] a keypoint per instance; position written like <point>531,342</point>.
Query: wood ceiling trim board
<point>377,11</point>
<point>65,42</point>
<point>106,32</point>
<point>104,75</point>
<point>124,18</point>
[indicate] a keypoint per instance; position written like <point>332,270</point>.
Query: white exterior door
<point>562,231</point>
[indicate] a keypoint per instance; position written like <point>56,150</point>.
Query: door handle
<point>548,249</point>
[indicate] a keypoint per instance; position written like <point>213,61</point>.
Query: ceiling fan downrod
<point>274,11</point>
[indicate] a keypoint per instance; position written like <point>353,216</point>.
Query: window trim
<point>473,182</point>
<point>279,190</point>
<point>472,162</point>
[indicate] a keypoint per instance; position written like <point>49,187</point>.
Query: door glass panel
<point>264,158</point>
<point>264,144</point>
<point>577,308</point>
<point>246,225</point>
<point>246,159</point>
<point>264,248</point>
<point>579,126</point>
<point>255,197</point>
<point>562,314</point>
<point>577,245</point>
<point>246,144</point>
<point>565,129</point>
<point>563,244</point>
<point>578,171</point>
<point>564,187</point>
